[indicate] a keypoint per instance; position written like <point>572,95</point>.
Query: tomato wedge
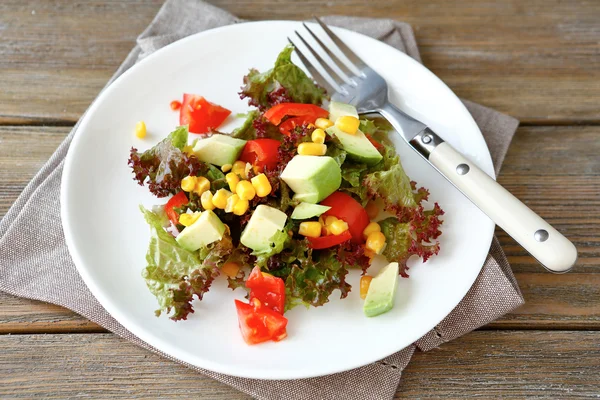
<point>276,113</point>
<point>176,201</point>
<point>343,206</point>
<point>201,115</point>
<point>261,153</point>
<point>287,126</point>
<point>267,288</point>
<point>259,323</point>
<point>374,142</point>
<point>325,242</point>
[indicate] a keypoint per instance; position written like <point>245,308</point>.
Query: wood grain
<point>537,60</point>
<point>492,364</point>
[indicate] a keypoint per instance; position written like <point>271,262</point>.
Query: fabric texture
<point>35,262</point>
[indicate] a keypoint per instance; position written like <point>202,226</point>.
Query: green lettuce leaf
<point>246,131</point>
<point>285,82</point>
<point>280,241</point>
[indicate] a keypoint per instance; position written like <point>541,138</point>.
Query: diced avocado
<point>337,109</point>
<point>312,178</point>
<point>358,146</point>
<point>207,229</point>
<point>262,226</point>
<point>219,149</point>
<point>382,290</point>
<point>308,210</point>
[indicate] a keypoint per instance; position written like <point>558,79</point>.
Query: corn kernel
<point>202,185</point>
<point>372,227</point>
<point>245,190</point>
<point>261,185</point>
<point>338,227</point>
<point>323,123</point>
<point>365,282</point>
<point>230,269</point>
<point>226,167</point>
<point>206,199</point>
<point>348,124</point>
<point>188,183</point>
<point>219,199</point>
<point>310,229</point>
<point>330,219</point>
<point>239,167</point>
<point>241,206</point>
<point>140,129</point>
<point>188,219</point>
<point>370,254</point>
<point>375,242</point>
<point>231,202</point>
<point>318,136</point>
<point>233,180</point>
<point>189,150</point>
<point>312,149</point>
<point>372,209</point>
<point>322,220</point>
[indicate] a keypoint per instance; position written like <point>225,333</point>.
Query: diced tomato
<point>259,323</point>
<point>276,113</point>
<point>325,242</point>
<point>176,201</point>
<point>374,142</point>
<point>267,288</point>
<point>201,115</point>
<point>262,153</point>
<point>343,206</point>
<point>287,126</point>
<point>175,105</point>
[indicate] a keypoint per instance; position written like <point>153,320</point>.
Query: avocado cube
<point>219,149</point>
<point>264,223</point>
<point>312,178</point>
<point>337,109</point>
<point>207,229</point>
<point>308,210</point>
<point>382,290</point>
<point>358,146</point>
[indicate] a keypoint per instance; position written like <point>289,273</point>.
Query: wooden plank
<point>537,60</point>
<point>491,364</point>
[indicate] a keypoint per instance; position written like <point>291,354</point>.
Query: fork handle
<point>554,251</point>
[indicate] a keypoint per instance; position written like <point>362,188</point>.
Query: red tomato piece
<point>201,115</point>
<point>287,126</point>
<point>325,242</point>
<point>267,288</point>
<point>258,323</point>
<point>343,206</point>
<point>176,201</point>
<point>374,142</point>
<point>262,153</point>
<point>276,113</point>
<point>175,105</point>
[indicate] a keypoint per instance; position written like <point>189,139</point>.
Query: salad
<point>282,207</point>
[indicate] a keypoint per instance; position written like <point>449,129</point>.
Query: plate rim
<point>164,346</point>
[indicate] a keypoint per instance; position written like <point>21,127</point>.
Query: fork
<point>352,81</point>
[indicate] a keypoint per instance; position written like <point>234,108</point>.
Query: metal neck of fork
<point>425,142</point>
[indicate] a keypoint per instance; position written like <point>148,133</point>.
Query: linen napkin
<point>35,262</point>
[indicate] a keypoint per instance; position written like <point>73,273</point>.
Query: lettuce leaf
<point>284,83</point>
<point>174,275</point>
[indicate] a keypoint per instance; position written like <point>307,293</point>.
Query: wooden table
<point>538,61</point>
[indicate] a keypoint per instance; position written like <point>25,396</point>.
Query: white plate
<point>107,235</point>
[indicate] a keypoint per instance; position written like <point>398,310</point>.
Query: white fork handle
<point>539,238</point>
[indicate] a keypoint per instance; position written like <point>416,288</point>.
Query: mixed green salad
<point>282,207</point>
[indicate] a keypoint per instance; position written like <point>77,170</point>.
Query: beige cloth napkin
<point>35,262</point>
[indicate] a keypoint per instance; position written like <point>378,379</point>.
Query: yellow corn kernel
<point>231,202</point>
<point>230,269</point>
<point>323,123</point>
<point>220,198</point>
<point>365,282</point>
<point>372,209</point>
<point>245,190</point>
<point>370,254</point>
<point>233,180</point>
<point>322,220</point>
<point>189,183</point>
<point>375,242</point>
<point>189,150</point>
<point>310,229</point>
<point>330,219</point>
<point>188,219</point>
<point>226,167</point>
<point>241,206</point>
<point>140,129</point>
<point>261,185</point>
<point>338,227</point>
<point>348,124</point>
<point>312,149</point>
<point>318,136</point>
<point>239,167</point>
<point>206,199</point>
<point>202,185</point>
<point>372,227</point>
